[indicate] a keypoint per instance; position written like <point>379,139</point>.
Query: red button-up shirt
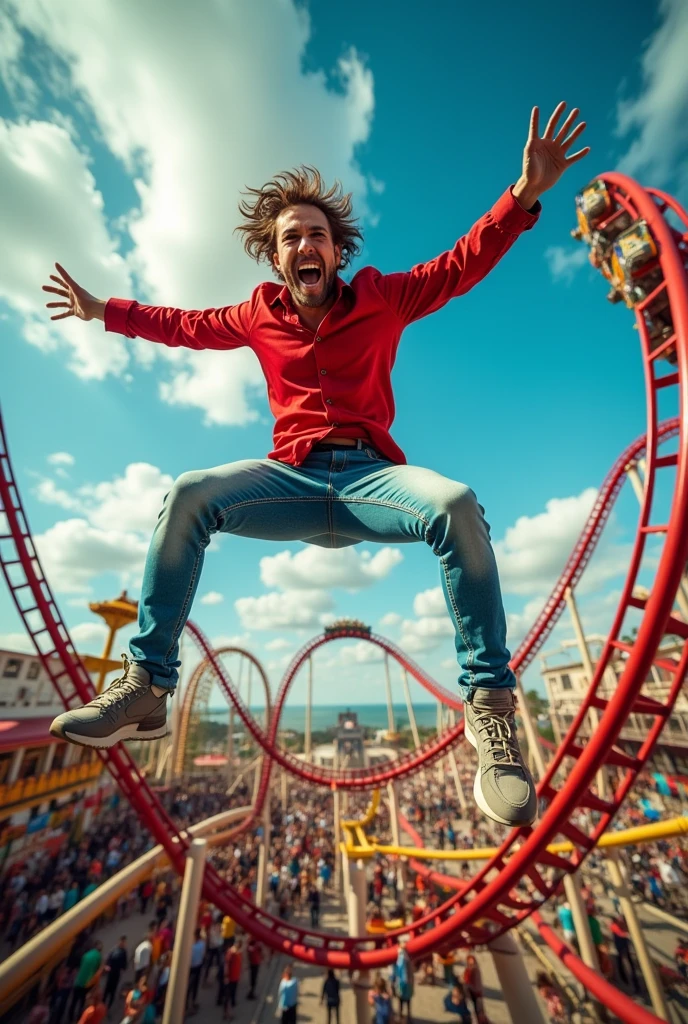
<point>336,381</point>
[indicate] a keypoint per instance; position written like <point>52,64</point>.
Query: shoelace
<point>501,743</point>
<point>125,688</point>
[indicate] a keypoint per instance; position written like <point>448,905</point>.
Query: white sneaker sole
<point>127,732</point>
<point>478,793</point>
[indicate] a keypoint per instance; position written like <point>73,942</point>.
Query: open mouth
<point>310,274</point>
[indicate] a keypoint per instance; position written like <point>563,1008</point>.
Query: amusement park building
<point>42,782</point>
<point>566,683</point>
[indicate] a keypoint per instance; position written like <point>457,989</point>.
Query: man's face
<point>306,256</point>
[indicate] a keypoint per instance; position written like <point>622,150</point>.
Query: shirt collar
<point>284,296</point>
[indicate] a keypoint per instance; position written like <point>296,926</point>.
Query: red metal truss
<point>522,875</point>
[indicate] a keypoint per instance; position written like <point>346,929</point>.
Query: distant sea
<point>324,716</point>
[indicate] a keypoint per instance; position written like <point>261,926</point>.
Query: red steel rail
<point>505,891</point>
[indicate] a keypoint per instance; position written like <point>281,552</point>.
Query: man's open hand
<point>80,303</point>
<point>545,159</point>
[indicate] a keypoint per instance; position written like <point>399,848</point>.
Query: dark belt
<point>328,446</point>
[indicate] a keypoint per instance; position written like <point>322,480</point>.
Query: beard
<point>316,297</point>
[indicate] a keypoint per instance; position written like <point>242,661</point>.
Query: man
<point>143,954</point>
<point>86,976</point>
<point>96,1009</point>
<point>288,996</point>
<point>197,958</point>
<point>254,952</point>
<point>116,963</point>
<point>335,477</point>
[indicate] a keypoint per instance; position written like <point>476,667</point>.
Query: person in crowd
<point>313,899</point>
<point>403,981</point>
<point>473,985</point>
<point>380,999</point>
<point>143,954</point>
<point>330,995</point>
<point>96,1010</point>
<point>455,1003</point>
<point>197,960</point>
<point>254,953</point>
<point>115,964</point>
<point>214,954</point>
<point>288,996</point>
<point>87,975</point>
<point>556,1011</point>
<point>232,976</point>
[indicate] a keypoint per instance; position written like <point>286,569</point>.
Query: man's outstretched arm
<point>224,328</point>
<point>429,286</point>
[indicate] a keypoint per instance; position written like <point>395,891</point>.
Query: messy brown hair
<point>290,188</point>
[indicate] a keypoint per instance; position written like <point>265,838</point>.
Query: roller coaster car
<point>634,256</point>
<point>593,204</point>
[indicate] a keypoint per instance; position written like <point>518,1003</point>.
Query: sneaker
<point>504,789</point>
<point>127,710</point>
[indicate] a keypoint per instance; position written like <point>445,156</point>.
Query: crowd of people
<point>128,981</point>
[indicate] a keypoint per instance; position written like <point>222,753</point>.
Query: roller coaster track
<point>494,900</point>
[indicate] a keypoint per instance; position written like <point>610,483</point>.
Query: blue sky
<point>127,134</point>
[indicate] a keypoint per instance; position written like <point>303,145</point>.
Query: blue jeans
<point>334,499</point>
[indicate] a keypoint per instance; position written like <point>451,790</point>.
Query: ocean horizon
<point>324,716</point>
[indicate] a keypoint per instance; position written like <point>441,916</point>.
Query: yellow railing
<point>36,786</point>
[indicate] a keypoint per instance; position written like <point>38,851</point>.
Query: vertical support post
<point>388,689</point>
<point>264,852</point>
<point>516,986</point>
<point>309,705</point>
<point>230,747</point>
<point>409,709</point>
<point>283,789</point>
<point>654,987</point>
<point>175,1001</point>
<point>453,767</point>
<point>402,862</point>
<point>534,748</point>
<point>356,904</point>
<point>580,922</point>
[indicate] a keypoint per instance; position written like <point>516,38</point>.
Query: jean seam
<point>179,625</point>
<point>459,622</point>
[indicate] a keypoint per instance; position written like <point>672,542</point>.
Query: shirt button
<point>318,338</point>
<point>328,401</point>
<point>323,372</point>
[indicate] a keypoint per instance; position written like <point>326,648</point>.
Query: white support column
<point>388,689</point>
<point>356,903</point>
<point>175,1001</point>
<point>48,759</point>
<point>516,986</point>
<point>336,800</point>
<point>16,763</point>
<point>654,987</point>
<point>264,853</point>
<point>409,710</point>
<point>230,747</point>
<point>309,706</point>
<point>580,922</point>
<point>402,862</point>
<point>534,748</point>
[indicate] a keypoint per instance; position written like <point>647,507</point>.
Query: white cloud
<point>61,459</point>
<point>390,619</point>
<point>657,115</point>
<point>318,567</point>
<point>212,597</point>
<point>534,550</point>
<point>89,637</point>
<point>425,633</point>
<point>20,642</point>
<point>47,492</point>
<point>73,553</point>
<point>278,644</point>
<point>133,501</point>
<point>563,263</point>
<point>430,602</point>
<point>359,653</point>
<point>292,609</point>
<point>174,125</point>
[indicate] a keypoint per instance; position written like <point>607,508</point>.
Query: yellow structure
<point>116,614</point>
